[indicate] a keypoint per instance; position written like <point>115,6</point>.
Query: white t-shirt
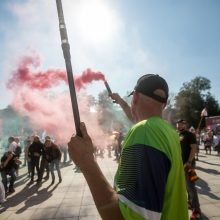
<point>13,145</point>
<point>216,139</point>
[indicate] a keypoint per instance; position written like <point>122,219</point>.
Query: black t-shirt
<point>186,139</point>
<point>11,163</point>
<point>36,147</point>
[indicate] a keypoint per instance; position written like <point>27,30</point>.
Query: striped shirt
<point>150,181</point>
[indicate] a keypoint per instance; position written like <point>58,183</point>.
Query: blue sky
<point>124,39</point>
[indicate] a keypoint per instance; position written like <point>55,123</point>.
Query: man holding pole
<point>149,183</point>
<point>188,145</point>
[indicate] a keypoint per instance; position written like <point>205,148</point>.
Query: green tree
<point>192,98</point>
<point>111,115</point>
<point>212,105</point>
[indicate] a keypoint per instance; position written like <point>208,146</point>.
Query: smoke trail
<point>31,86</point>
<point>25,75</point>
<point>87,77</point>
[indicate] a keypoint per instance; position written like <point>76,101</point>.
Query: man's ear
<point>136,97</point>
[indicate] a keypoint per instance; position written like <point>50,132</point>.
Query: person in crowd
<point>208,141</point>
<point>9,164</point>
<point>149,183</point>
<point>27,159</point>
<point>109,150</point>
<point>53,156</point>
<point>115,145</point>
<point>196,133</point>
<point>12,145</point>
<point>188,145</point>
<point>18,151</point>
<point>34,152</point>
<point>27,143</point>
<point>44,165</point>
<point>2,193</point>
<point>64,150</point>
<point>197,144</point>
<point>120,138</point>
<point>216,142</point>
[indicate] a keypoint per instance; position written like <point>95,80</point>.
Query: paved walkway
<point>72,199</point>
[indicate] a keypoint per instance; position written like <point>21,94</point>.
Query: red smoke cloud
<point>87,77</point>
<point>51,112</point>
<point>25,75</point>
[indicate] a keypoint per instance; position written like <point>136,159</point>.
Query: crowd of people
<point>38,157</point>
<point>42,156</point>
<point>211,141</point>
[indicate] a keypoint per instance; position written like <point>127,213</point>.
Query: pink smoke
<point>87,77</point>
<point>27,75</point>
<point>30,87</point>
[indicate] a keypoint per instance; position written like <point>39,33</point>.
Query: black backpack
<point>18,150</point>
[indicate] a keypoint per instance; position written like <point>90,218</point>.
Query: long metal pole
<point>67,57</point>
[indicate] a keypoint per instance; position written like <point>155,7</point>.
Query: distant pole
<point>67,57</point>
<point>200,121</point>
<point>204,113</point>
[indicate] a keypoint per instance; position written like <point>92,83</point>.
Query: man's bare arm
<point>192,152</point>
<point>9,157</point>
<point>105,197</point>
<point>124,105</point>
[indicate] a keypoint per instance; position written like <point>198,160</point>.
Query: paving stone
<point>44,213</point>
<point>88,210</point>
<point>67,212</point>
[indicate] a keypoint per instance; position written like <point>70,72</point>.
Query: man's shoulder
<point>189,133</point>
<point>4,157</point>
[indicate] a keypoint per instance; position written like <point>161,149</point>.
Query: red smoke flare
<point>25,75</point>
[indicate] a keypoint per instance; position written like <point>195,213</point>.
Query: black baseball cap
<point>149,83</point>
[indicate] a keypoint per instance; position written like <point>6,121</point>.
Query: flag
<point>204,112</point>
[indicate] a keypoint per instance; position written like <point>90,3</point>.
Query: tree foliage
<point>111,115</point>
<point>192,98</point>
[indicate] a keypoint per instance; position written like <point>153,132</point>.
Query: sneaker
<point>195,215</point>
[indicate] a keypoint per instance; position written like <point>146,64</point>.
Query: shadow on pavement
<point>30,196</point>
<point>203,188</point>
<point>45,194</point>
<point>210,171</point>
<point>204,217</point>
<point>214,164</point>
